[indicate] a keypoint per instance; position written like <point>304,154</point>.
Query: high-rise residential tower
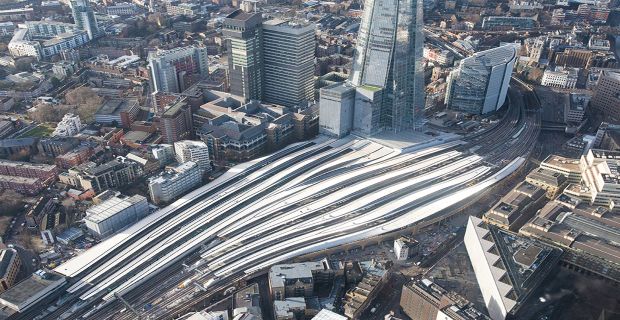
<point>480,83</point>
<point>84,17</point>
<point>388,67</point>
<point>244,41</point>
<point>177,69</point>
<point>288,57</point>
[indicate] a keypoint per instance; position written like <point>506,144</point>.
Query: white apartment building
<point>401,250</point>
<point>164,153</point>
<point>21,46</point>
<point>69,126</point>
<point>565,78</point>
<point>115,213</point>
<point>195,151</point>
<point>174,182</point>
<point>43,43</point>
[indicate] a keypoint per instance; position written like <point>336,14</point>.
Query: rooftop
<point>6,256</point>
<point>547,176</point>
<point>517,264</point>
<point>492,57</point>
<point>35,284</point>
<point>19,142</point>
<point>174,109</point>
<point>116,106</point>
<point>241,15</point>
<point>27,165</point>
<point>20,180</point>
<point>249,298</point>
<point>110,207</point>
<point>282,308</point>
<point>562,163</point>
<point>280,272</point>
<point>328,315</point>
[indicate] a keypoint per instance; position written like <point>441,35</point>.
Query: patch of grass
<point>39,131</point>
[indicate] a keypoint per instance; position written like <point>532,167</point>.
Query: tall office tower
<point>388,66</point>
<point>84,17</point>
<point>288,59</point>
<point>244,41</point>
<point>480,83</point>
<point>606,96</point>
<point>177,69</point>
<point>176,123</point>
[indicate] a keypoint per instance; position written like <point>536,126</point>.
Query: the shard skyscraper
<point>387,67</point>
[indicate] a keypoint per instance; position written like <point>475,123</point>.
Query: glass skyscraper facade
<point>388,58</point>
<point>480,83</point>
<point>244,41</point>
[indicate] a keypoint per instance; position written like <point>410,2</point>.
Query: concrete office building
<point>600,184</point>
<point>336,107</point>
<point>480,83</point>
<point>559,77</point>
<point>244,42</point>
<point>516,207</point>
<point>84,17</point>
<point>288,58</point>
<point>508,268</point>
<point>582,231</point>
<point>551,181</point>
<point>164,153</point>
<point>177,69</point>
<point>606,96</point>
<point>294,280</point>
<point>564,166</point>
<point>176,123</point>
<point>28,292</point>
<point>289,308</point>
<point>175,181</point>
<point>388,59</point>
<point>195,151</point>
<point>115,213</point>
<point>118,112</point>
